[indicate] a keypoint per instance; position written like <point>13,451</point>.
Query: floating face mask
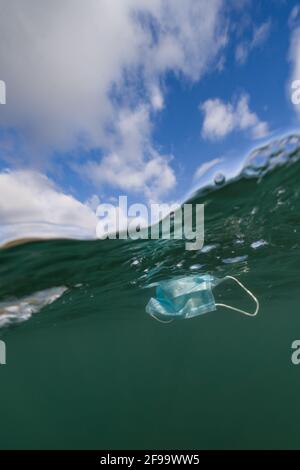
<point>190,296</point>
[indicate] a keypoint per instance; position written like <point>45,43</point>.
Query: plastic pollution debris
<point>190,296</point>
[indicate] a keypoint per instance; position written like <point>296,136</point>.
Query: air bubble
<point>219,179</point>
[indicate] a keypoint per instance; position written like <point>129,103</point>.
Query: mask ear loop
<point>250,295</point>
<point>161,321</point>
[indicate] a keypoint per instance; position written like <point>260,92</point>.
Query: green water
<point>94,371</point>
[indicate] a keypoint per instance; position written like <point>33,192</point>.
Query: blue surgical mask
<point>190,296</point>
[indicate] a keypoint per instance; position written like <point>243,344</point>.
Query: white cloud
<point>294,16</point>
<point>153,178</point>
<point>133,165</point>
<point>203,169</point>
<point>241,53</point>
<point>260,35</point>
<point>72,67</point>
<point>220,119</point>
<point>157,99</point>
<point>32,207</point>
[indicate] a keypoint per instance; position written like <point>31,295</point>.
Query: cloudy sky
<point>145,98</point>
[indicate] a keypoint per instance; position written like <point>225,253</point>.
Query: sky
<point>144,98</point>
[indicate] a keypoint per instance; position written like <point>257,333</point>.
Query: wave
<point>251,230</point>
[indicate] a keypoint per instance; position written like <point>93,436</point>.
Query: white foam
<point>19,310</point>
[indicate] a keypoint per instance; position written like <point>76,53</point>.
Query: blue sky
<point>136,97</point>
<point>264,77</point>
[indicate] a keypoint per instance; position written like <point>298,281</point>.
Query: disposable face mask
<point>191,296</point>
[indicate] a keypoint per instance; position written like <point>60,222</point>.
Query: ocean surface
<point>87,367</point>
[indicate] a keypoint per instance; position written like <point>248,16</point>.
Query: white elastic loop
<point>248,292</point>
<point>161,321</point>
